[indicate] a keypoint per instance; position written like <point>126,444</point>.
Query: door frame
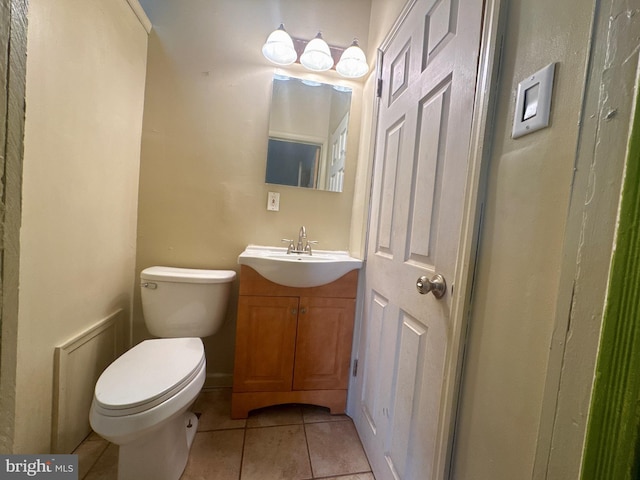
<point>480,146</point>
<point>612,442</point>
<point>13,45</point>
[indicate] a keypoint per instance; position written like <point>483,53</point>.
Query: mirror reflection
<point>308,127</point>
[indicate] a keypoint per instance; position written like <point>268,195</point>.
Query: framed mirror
<point>308,127</point>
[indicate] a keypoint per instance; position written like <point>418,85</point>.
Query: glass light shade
<point>279,48</point>
<point>353,63</point>
<point>316,55</point>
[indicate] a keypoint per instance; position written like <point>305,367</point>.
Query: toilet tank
<point>184,302</point>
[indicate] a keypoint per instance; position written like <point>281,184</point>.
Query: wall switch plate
<point>273,201</point>
<point>533,102</point>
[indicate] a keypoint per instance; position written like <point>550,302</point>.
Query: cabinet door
<point>265,344</point>
<point>323,346</point>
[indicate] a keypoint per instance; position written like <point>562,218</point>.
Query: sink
<point>298,270</point>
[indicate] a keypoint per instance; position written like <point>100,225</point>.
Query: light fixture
<point>316,55</point>
<point>353,63</point>
<point>279,47</point>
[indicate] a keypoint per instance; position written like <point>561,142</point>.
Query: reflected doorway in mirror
<point>292,163</point>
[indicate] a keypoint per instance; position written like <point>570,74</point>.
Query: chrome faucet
<point>303,245</point>
<point>302,237</point>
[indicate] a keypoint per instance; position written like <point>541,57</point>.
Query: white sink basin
<point>298,270</point>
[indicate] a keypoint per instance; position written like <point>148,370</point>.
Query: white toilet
<point>141,400</point>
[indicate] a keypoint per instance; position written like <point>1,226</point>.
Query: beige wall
<point>202,191</point>
<point>85,88</point>
<point>516,287</point>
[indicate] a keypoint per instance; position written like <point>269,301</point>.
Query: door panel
<point>393,147</point>
<point>371,375</point>
<point>427,177</point>
<point>440,27</point>
<point>422,148</point>
<point>377,372</point>
<point>411,361</point>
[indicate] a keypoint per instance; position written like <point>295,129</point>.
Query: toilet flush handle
<point>150,285</point>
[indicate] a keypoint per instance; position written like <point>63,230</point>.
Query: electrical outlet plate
<point>273,201</point>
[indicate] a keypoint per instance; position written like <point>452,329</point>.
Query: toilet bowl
<point>141,400</point>
<point>141,403</point>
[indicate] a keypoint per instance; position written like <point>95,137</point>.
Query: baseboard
<point>218,380</point>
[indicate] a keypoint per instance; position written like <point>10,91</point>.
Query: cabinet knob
<point>303,310</point>
<point>294,311</point>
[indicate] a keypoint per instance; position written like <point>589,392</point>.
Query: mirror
<point>308,127</point>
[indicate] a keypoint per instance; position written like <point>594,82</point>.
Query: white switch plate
<point>533,102</point>
<point>273,201</point>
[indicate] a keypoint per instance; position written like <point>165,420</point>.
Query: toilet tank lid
<point>187,275</point>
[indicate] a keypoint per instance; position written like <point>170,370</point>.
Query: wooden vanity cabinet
<point>293,345</point>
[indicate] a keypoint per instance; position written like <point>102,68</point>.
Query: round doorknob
<point>435,285</point>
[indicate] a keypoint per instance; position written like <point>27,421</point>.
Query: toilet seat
<point>147,375</point>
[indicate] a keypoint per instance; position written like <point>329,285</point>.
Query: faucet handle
<point>308,247</point>
<point>291,245</point>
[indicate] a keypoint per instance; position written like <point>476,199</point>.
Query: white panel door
<point>422,149</point>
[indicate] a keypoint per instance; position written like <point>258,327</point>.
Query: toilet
<point>141,400</point>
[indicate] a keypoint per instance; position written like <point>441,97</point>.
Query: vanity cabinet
<point>293,345</point>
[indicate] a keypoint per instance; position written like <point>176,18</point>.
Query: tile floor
<point>279,443</point>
